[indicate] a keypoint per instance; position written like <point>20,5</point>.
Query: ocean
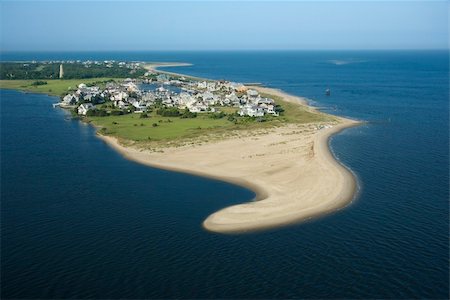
<point>80,221</point>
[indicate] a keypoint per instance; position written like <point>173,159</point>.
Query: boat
<point>327,92</point>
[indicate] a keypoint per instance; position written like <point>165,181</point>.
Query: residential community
<point>171,92</point>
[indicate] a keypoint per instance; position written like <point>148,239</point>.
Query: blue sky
<point>215,25</point>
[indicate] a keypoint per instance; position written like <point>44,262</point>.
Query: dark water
<point>80,221</point>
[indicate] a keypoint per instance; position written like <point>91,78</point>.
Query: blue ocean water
<point>80,221</point>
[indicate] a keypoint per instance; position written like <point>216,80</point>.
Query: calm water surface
<point>80,221</point>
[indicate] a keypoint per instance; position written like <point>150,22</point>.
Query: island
<point>257,137</point>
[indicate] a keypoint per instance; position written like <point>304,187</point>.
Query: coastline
<point>291,170</point>
<point>330,185</point>
<point>153,67</point>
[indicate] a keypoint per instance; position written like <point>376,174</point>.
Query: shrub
<point>143,116</point>
<point>102,113</point>
<point>116,112</point>
<point>91,113</point>
<point>188,115</point>
<point>219,115</point>
<point>39,82</point>
<point>279,109</point>
<point>231,118</point>
<point>155,124</point>
<point>168,112</point>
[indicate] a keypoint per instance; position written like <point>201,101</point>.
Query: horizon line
<point>227,50</point>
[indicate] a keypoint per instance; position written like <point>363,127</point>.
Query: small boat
<point>327,92</point>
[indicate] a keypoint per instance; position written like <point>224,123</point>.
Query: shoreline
<point>237,219</point>
<point>279,184</point>
<point>291,169</point>
<point>153,67</point>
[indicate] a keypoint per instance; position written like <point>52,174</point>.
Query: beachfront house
<point>70,99</point>
<point>253,95</point>
<point>84,108</point>
<point>251,111</point>
<point>271,110</point>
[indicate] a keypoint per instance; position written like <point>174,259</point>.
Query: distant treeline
<point>71,71</point>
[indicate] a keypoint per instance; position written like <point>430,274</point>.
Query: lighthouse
<point>61,71</point>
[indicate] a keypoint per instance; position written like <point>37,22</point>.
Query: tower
<point>61,71</point>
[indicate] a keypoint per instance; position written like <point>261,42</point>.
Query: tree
<point>188,115</point>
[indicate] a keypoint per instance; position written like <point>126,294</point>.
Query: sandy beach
<point>153,67</point>
<point>291,170</point>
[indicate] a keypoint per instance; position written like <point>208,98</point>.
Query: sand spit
<point>290,168</point>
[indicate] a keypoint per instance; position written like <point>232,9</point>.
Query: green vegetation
<point>75,70</point>
<point>169,125</point>
<point>294,113</point>
<point>39,82</point>
<point>55,87</point>
<point>168,112</point>
<point>157,127</point>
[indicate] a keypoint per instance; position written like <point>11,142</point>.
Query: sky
<point>214,25</point>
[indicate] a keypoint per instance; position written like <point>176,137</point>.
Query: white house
<point>232,98</point>
<point>202,85</point>
<point>84,108</point>
<point>252,94</point>
<point>251,110</point>
<point>140,106</point>
<point>271,110</point>
<point>198,107</point>
<point>70,99</point>
<point>122,104</point>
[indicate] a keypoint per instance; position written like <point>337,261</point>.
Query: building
<point>251,111</point>
<point>84,108</point>
<point>61,71</point>
<point>70,99</point>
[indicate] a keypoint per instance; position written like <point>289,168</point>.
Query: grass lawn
<point>54,87</point>
<point>132,127</point>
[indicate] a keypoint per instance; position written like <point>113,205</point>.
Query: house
<point>140,106</point>
<point>194,109</point>
<point>197,107</point>
<point>122,104</point>
<point>252,95</point>
<point>70,99</point>
<point>209,98</point>
<point>211,86</point>
<point>266,101</point>
<point>162,77</point>
<point>232,98</point>
<point>87,97</point>
<point>202,85</point>
<point>251,110</point>
<point>271,110</point>
<point>84,108</point>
